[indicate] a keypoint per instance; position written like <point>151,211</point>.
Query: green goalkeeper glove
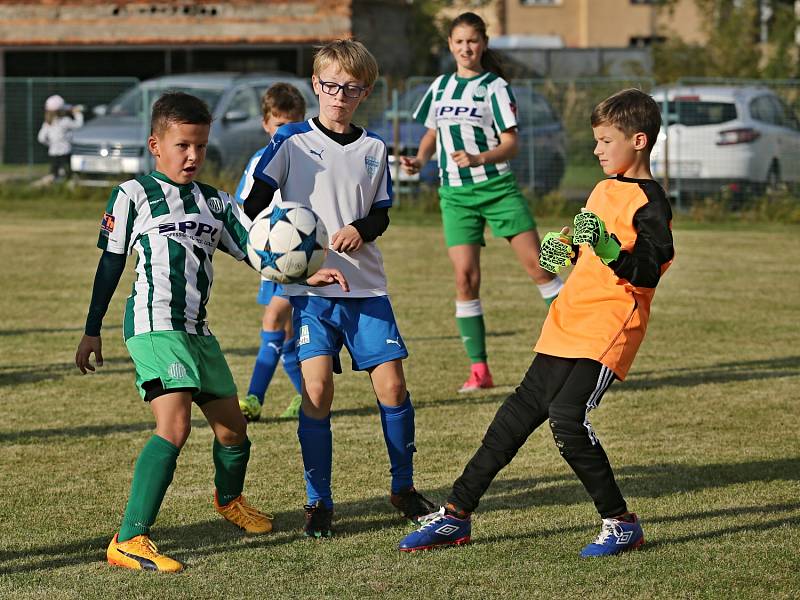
<point>590,229</point>
<point>556,252</point>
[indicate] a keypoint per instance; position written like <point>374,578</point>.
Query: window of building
<point>645,41</point>
<point>540,2</point>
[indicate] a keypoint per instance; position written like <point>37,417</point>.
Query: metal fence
<point>740,137</point>
<point>22,112</point>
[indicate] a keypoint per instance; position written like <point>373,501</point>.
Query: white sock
<point>469,308</point>
<point>551,288</point>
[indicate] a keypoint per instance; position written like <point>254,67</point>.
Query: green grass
<point>703,436</point>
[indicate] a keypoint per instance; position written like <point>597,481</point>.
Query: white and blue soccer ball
<point>287,242</point>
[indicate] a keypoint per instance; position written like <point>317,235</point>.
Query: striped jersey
<point>340,184</point>
<point>467,114</point>
<point>174,230</point>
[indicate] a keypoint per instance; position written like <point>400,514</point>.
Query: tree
<point>733,47</point>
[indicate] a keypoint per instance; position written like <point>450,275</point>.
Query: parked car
<point>724,137</point>
<point>539,164</point>
<point>114,143</point>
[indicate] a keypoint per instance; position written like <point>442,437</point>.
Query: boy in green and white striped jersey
<point>471,118</point>
<point>174,225</point>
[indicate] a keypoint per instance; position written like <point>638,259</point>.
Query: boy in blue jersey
<point>282,103</point>
<point>341,172</point>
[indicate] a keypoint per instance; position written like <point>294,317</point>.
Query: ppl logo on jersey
<point>107,224</point>
<point>189,228</point>
<point>459,112</point>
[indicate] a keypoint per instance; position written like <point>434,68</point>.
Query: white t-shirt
<point>340,184</point>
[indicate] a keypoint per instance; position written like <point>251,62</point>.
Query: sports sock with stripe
<point>550,290</point>
<point>151,478</point>
<point>290,364</point>
<point>469,317</point>
<point>398,433</point>
<point>230,467</point>
<point>316,444</point>
<point>266,361</point>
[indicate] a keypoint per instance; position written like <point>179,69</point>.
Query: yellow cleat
<point>250,407</point>
<point>240,513</point>
<point>140,553</point>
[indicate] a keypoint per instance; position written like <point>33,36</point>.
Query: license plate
<point>91,164</point>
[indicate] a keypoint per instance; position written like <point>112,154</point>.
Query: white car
<point>743,139</point>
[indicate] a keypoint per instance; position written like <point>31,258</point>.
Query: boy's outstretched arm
<point>106,279</point>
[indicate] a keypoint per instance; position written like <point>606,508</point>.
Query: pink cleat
<point>479,379</point>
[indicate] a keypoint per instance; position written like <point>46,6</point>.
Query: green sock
<point>151,478</point>
<point>473,336</point>
<point>231,466</point>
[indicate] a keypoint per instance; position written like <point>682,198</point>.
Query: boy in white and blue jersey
<point>282,103</point>
<point>341,172</point>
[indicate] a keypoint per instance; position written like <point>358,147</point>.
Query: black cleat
<point>412,505</point>
<point>318,520</point>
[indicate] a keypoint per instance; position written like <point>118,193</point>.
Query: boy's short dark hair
<point>178,107</point>
<point>283,98</point>
<point>630,111</point>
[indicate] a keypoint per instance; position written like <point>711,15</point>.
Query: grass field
<point>703,436</point>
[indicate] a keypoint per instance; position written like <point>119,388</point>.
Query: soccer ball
<point>287,242</point>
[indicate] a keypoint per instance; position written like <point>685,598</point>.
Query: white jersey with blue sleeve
<point>246,182</point>
<point>341,184</point>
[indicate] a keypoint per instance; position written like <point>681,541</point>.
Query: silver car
<point>742,139</point>
<point>114,143</point>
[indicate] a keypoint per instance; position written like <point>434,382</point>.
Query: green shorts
<point>466,210</point>
<point>176,360</point>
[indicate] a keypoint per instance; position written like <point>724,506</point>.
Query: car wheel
<point>773,184</point>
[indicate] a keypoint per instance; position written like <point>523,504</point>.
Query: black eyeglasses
<point>350,90</point>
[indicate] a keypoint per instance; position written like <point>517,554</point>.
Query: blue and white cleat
<point>616,536</point>
<point>438,529</point>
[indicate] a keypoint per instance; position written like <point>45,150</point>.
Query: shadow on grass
<point>648,481</point>
<point>727,372</point>
<point>9,332</point>
<point>703,533</point>
<point>20,375</point>
<point>34,436</point>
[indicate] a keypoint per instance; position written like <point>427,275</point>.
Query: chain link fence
<point>22,103</point>
<point>729,136</point>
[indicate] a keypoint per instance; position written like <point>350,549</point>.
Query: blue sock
<point>290,364</point>
<point>316,444</point>
<point>267,359</point>
<point>398,432</point>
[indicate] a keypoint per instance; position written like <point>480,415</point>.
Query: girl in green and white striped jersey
<point>471,117</point>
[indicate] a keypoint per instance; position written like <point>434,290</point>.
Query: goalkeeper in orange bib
<point>621,246</point>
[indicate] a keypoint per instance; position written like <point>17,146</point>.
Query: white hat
<point>54,103</point>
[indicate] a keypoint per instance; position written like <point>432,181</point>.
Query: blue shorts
<point>365,326</point>
<point>267,290</point>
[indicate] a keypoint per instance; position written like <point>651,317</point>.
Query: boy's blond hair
<point>630,111</point>
<point>352,57</point>
<point>283,98</point>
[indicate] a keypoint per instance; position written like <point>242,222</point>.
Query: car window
<point>694,112</point>
<point>244,100</point>
<point>129,104</point>
<point>784,115</point>
<point>762,109</point>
